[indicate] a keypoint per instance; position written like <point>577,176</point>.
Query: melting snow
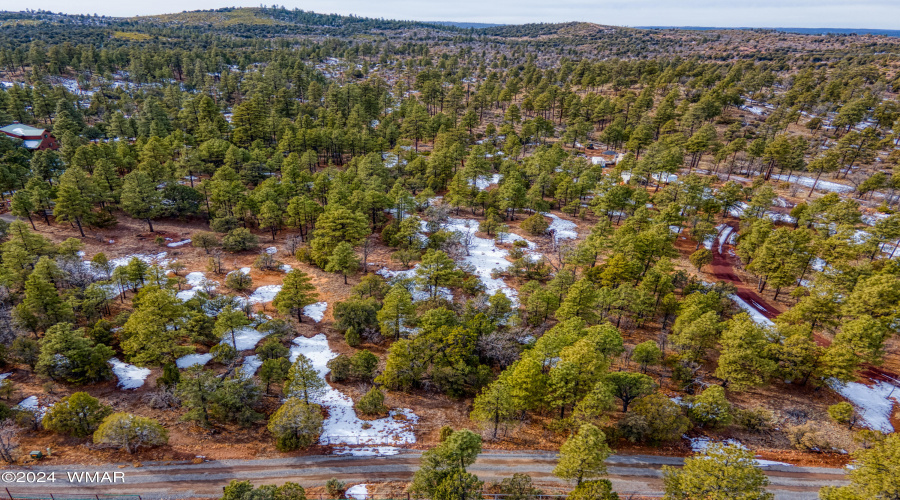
<point>130,376</point>
<point>251,364</point>
<point>245,338</point>
<point>193,360</point>
<point>757,316</point>
<point>724,234</point>
<point>286,268</point>
<point>874,403</point>
<point>158,259</point>
<point>4,375</point>
<point>264,293</point>
<point>32,404</point>
<point>484,256</point>
<point>358,492</point>
<point>342,425</point>
<point>316,311</point>
<point>833,187</point>
<point>271,250</point>
<point>482,182</point>
<point>419,294</point>
<point>564,229</point>
<point>178,243</point>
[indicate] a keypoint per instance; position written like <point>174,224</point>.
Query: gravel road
<point>629,474</point>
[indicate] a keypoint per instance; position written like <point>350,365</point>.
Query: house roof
<point>21,130</point>
<point>33,143</point>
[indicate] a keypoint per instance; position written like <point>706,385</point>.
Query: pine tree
<point>744,361</point>
<point>397,311</point>
<point>303,381</point>
<point>342,260</point>
<point>296,293</point>
<point>228,322</point>
<point>702,476</point>
<point>72,203</point>
<point>140,197</point>
<point>295,424</point>
<point>437,270</point>
<point>493,406</point>
<point>582,456</point>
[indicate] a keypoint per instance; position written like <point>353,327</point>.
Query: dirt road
<point>723,264</point>
<point>629,474</point>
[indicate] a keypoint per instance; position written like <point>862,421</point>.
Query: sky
<point>872,14</point>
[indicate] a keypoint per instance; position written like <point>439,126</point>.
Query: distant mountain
<point>801,31</point>
<point>465,25</point>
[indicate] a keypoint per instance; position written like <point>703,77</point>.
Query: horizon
<point>692,14</point>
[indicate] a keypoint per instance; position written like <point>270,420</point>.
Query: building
<point>33,138</point>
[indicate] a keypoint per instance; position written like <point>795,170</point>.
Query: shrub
<point>535,224</point>
<point>340,368</point>
<point>352,337</point>
<point>295,424</point>
<point>238,281</point>
<point>597,489</point>
<point>664,418</point>
<point>363,365</point>
<point>239,239</point>
<point>359,314</point>
<point>266,262</point>
<point>807,437</point>
<point>446,431</point>
<point>372,403</point>
<point>753,419</point>
<point>711,408</point>
<point>78,415</point>
<point>843,413</point>
<point>224,224</point>
<point>130,432</point>
<point>518,487</point>
<point>335,487</point>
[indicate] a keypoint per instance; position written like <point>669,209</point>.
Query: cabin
<point>31,137</point>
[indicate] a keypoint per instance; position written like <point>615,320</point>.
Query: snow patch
<point>368,451</point>
<point>874,403</point>
<point>245,338</point>
<point>483,182</point>
<point>342,425</point>
<point>357,492</point>
<point>31,404</point>
<point>833,187</point>
<point>264,294</point>
<point>251,364</point>
<point>316,311</point>
<point>271,250</point>
<point>178,244</point>
<point>130,376</point>
<point>193,360</point>
<point>562,228</point>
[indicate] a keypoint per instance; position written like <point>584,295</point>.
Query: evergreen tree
<point>303,381</point>
<point>582,456</point>
<point>78,415</point>
<point>295,424</point>
<point>722,472</point>
<point>343,260</point>
<point>296,293</point>
<point>140,199</point>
